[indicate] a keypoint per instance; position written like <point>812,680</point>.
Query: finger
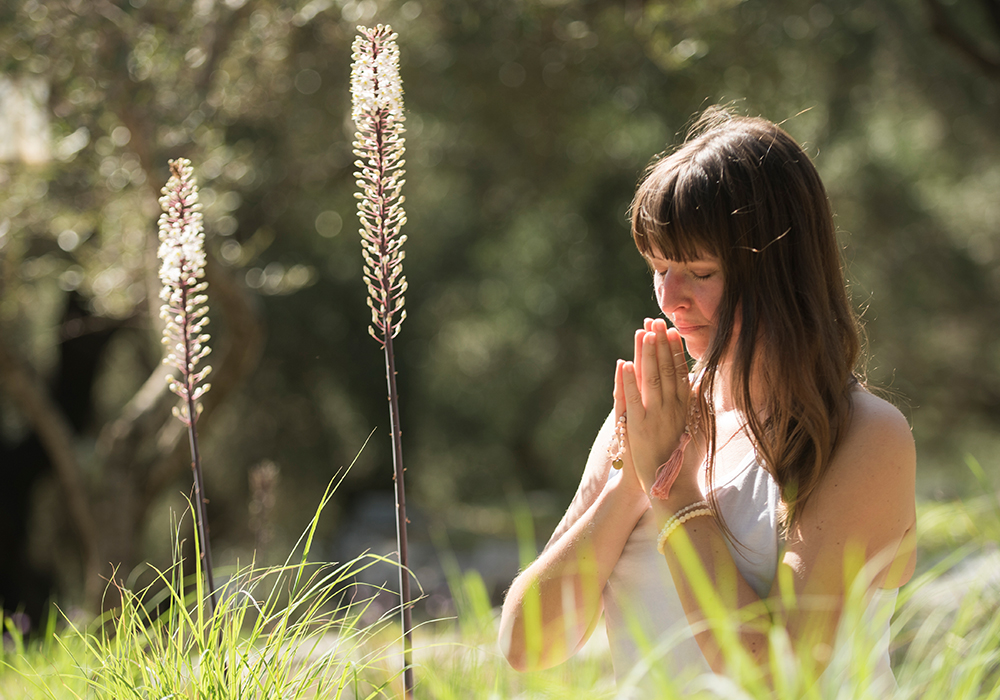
<point>676,344</point>
<point>637,354</point>
<point>647,324</point>
<point>650,379</point>
<point>619,392</point>
<point>665,359</point>
<point>633,398</point>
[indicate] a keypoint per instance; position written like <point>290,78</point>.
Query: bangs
<point>672,212</point>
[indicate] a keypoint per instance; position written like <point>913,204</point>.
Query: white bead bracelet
<point>686,513</point>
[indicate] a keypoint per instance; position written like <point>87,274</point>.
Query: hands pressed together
<point>654,391</point>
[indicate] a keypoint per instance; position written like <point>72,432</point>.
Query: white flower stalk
<point>182,271</point>
<point>378,113</point>
<point>377,93</point>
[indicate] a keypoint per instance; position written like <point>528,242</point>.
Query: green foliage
<point>950,650</point>
<point>289,631</point>
<point>945,527</point>
<point>528,126</point>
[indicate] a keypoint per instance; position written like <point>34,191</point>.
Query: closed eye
<point>698,270</point>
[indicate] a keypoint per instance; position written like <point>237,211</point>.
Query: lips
<point>687,329</point>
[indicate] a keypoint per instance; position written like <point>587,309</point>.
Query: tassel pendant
<point>667,473</point>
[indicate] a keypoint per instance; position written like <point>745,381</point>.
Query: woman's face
<point>689,294</point>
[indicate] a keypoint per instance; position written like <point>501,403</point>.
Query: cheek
<point>711,302</point>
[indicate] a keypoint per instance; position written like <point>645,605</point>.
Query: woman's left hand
<point>656,392</point>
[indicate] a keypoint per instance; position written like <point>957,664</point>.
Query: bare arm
<point>595,474</point>
<point>859,525</point>
<point>553,606</point>
<point>595,477</point>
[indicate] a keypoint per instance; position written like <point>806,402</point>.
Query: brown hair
<point>742,190</point>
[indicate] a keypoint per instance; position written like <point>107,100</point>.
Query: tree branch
<point>54,431</point>
<point>945,29</point>
<point>223,29</point>
<point>126,440</point>
<point>993,10</point>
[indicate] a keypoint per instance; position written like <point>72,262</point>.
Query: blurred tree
<point>528,126</point>
<point>92,235</point>
<point>983,53</point>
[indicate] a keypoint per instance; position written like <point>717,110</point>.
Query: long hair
<point>741,189</point>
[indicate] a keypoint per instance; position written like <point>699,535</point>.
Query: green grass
<point>290,631</point>
<point>295,631</point>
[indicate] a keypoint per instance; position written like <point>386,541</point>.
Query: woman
<point>789,481</point>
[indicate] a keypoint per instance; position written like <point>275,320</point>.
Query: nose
<point>671,291</point>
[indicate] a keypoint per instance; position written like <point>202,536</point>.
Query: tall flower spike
<point>377,93</point>
<point>182,272</point>
<point>378,114</point>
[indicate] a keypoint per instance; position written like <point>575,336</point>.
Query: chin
<point>697,352</point>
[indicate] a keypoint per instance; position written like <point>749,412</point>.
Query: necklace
<point>616,448</point>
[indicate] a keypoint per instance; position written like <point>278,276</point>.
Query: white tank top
<point>646,624</point>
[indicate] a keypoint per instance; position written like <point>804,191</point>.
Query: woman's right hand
<point>629,479</point>
<point>656,387</point>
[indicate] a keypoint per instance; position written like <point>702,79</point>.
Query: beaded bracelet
<point>686,513</point>
<point>686,509</point>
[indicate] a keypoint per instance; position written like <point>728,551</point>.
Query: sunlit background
<point>528,125</point>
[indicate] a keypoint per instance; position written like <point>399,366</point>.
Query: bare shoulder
<point>867,495</point>
<point>874,465</point>
<point>877,445</point>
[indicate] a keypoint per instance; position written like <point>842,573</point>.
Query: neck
<point>723,397</point>
<point>727,389</point>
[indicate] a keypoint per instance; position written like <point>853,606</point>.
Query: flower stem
<point>199,484</point>
<point>401,521</point>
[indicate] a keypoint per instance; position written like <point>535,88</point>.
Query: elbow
<point>516,658</point>
<point>510,639</point>
<point>523,651</point>
<point>534,631</point>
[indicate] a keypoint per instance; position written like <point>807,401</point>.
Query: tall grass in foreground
<point>941,649</point>
<point>290,631</point>
<point>295,631</point>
